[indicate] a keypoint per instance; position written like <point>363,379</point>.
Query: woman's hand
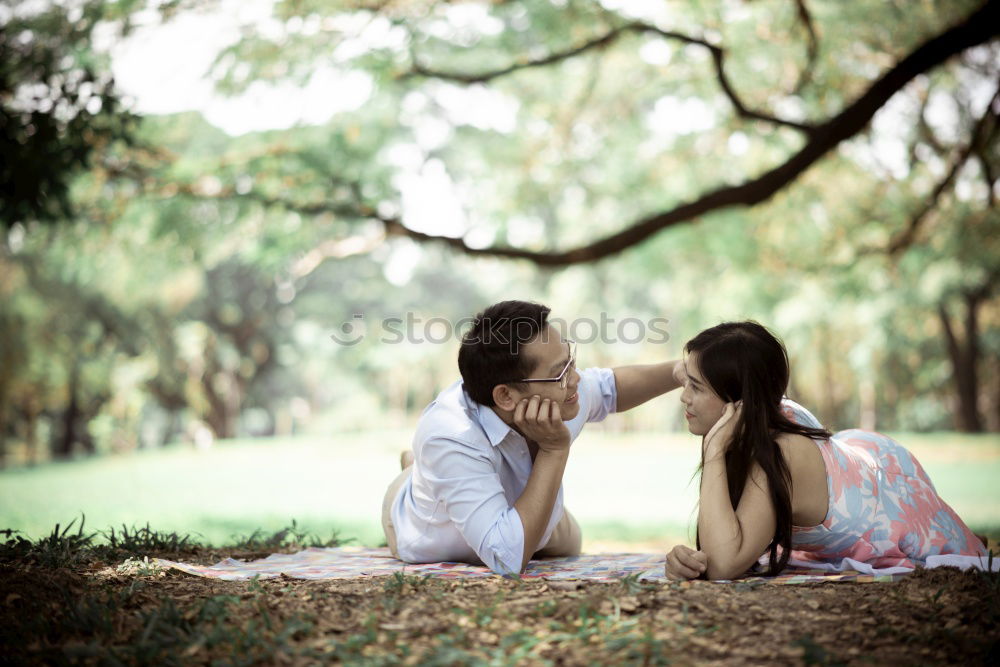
<point>683,562</point>
<point>721,434</point>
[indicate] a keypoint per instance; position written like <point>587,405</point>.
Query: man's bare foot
<point>405,459</point>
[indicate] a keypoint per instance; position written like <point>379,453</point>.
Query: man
<point>485,484</point>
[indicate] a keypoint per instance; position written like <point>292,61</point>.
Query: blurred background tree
<point>829,169</point>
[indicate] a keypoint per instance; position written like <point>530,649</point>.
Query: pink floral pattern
<point>883,510</point>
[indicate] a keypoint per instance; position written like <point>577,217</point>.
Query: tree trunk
<point>63,446</point>
<point>31,438</point>
<point>217,416</point>
<point>970,377</point>
<point>28,410</point>
<point>172,423</point>
<point>964,356</point>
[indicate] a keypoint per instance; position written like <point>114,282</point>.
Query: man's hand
<point>540,420</point>
<point>680,373</point>
<point>685,563</point>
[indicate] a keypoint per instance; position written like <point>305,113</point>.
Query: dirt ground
<point>103,614</point>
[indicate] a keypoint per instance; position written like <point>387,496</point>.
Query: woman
<point>773,480</point>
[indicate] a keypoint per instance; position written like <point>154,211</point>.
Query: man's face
<point>549,354</point>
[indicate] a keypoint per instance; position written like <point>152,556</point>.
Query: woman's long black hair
<point>743,361</point>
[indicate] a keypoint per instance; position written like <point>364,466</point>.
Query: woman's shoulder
<point>804,459</point>
<point>791,442</point>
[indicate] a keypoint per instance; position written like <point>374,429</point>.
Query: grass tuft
<point>400,582</point>
<point>289,537</point>
<point>61,548</point>
<point>66,547</point>
<point>144,540</point>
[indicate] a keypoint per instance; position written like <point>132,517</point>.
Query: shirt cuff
<point>503,547</point>
<point>602,393</point>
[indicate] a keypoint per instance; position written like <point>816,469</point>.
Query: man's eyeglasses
<point>563,377</point>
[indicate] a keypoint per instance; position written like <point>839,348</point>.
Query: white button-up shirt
<point>469,469</point>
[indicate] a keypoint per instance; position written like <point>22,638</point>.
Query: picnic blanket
<point>356,562</point>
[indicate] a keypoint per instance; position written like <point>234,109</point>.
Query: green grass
<point>623,488</point>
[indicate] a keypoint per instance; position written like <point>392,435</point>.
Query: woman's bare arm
<point>731,538</point>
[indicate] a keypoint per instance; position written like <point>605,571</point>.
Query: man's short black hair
<point>491,350</point>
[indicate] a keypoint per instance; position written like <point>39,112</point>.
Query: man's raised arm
<point>638,384</point>
<point>541,422</point>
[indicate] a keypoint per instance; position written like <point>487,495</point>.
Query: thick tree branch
<point>718,60</point>
<point>983,132</point>
<point>981,26</point>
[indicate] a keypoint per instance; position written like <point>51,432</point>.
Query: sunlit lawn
<point>628,491</point>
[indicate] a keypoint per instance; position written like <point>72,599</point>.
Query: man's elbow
<point>502,559</point>
<point>524,564</point>
<point>508,569</point>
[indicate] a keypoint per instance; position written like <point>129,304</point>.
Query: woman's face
<point>702,406</point>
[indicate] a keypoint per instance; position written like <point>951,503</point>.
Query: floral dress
<point>883,509</point>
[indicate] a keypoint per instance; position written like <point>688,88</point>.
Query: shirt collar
<point>496,428</point>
